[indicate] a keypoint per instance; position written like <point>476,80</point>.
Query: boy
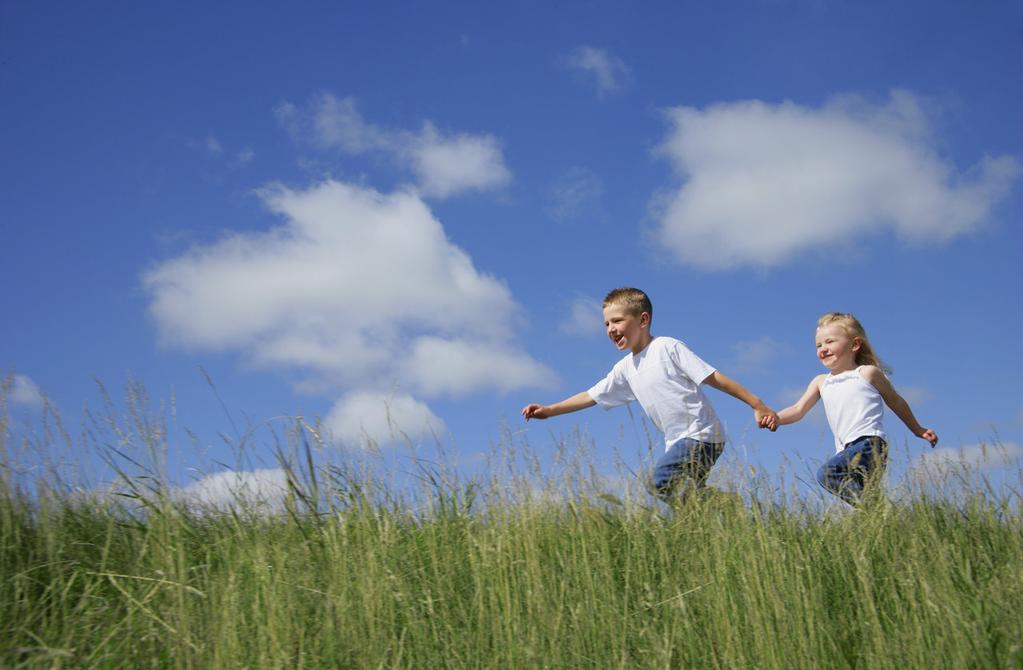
<point>665,377</point>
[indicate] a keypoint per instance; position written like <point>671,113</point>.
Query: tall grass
<point>512,569</point>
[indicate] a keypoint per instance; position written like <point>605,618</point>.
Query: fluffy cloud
<point>213,146</point>
<point>381,418</point>
<point>443,165</point>
<point>607,71</point>
<point>358,289</point>
<point>914,395</point>
<point>439,366</point>
<point>263,491</point>
<point>754,355</point>
<point>974,458</point>
<point>575,195</point>
<point>763,183</point>
<point>214,149</point>
<point>21,390</point>
<point>584,317</point>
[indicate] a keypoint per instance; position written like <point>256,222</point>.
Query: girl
<point>852,393</point>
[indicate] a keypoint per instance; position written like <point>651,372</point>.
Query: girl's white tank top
<point>854,407</point>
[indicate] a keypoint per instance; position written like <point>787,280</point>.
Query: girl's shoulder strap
<point>872,374</point>
<point>825,379</point>
<point>868,371</point>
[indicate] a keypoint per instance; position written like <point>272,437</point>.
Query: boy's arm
<point>897,403</point>
<point>764,415</point>
<point>575,403</point>
<point>795,412</point>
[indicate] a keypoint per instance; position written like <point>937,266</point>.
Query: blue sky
<point>328,206</point>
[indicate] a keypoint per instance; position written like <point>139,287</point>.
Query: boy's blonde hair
<point>853,328</point>
<point>632,299</point>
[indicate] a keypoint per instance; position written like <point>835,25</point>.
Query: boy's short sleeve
<point>612,391</point>
<point>690,364</point>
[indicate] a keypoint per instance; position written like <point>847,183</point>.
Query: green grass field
<point>501,572</point>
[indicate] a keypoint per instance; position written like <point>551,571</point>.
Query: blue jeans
<point>857,466</point>
<point>688,462</point>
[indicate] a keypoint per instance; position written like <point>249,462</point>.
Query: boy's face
<point>627,330</point>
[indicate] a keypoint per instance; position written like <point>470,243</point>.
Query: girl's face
<point>835,349</point>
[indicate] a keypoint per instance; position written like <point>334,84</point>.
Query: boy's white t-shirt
<point>854,407</point>
<point>665,379</point>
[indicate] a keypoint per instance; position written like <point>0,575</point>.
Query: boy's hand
<point>534,411</point>
<point>929,435</point>
<point>766,418</point>
<point>579,401</point>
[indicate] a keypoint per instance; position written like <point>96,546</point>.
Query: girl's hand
<point>929,435</point>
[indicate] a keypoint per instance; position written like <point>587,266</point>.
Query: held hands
<point>766,418</point>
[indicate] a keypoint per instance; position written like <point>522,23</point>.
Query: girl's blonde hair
<point>853,328</point>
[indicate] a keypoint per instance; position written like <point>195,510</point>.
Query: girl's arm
<point>795,412</point>
<point>897,403</point>
<point>577,402</point>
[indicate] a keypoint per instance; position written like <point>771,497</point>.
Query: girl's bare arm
<point>798,410</point>
<point>897,403</point>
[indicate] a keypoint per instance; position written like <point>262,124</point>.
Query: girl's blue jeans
<point>686,463</point>
<point>857,466</point>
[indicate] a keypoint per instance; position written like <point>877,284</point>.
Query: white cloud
<point>608,72</point>
<point>244,157</point>
<point>583,318</point>
<point>443,165</point>
<point>576,194</point>
<point>381,418</point>
<point>217,153</point>
<point>290,118</point>
<point>357,289</point>
<point>24,391</point>
<point>974,458</point>
<point>448,165</point>
<point>337,124</point>
<point>456,366</point>
<point>263,491</point>
<point>213,146</point>
<point>789,395</point>
<point>752,355</point>
<point>914,395</point>
<point>763,183</point>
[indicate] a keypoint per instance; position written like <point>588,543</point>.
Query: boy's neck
<point>642,344</point>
